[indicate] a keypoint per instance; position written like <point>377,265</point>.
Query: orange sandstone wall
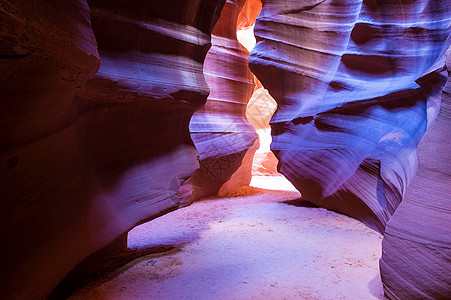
<point>220,129</point>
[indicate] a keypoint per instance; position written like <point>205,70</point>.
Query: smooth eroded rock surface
<point>96,99</point>
<point>259,112</point>
<point>86,161</point>
<point>353,81</point>
<point>48,51</point>
<point>220,129</point>
<point>357,84</point>
<point>416,260</point>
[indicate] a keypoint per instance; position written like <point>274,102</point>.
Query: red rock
<point>48,51</point>
<point>79,172</point>
<point>259,112</point>
<point>265,164</point>
<point>260,109</point>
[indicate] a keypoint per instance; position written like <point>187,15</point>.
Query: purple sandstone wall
<point>357,84</point>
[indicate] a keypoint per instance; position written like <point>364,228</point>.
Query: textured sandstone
<point>220,129</point>
<point>352,80</point>
<point>356,84</point>
<point>415,263</point>
<point>83,163</point>
<point>48,51</point>
<point>259,112</point>
<point>87,157</point>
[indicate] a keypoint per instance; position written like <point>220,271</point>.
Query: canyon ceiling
<point>116,112</point>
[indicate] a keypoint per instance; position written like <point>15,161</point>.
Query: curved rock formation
<point>48,51</point>
<point>352,80</point>
<point>88,155</point>
<point>416,263</point>
<point>259,112</point>
<point>79,172</point>
<point>220,129</point>
<point>356,83</point>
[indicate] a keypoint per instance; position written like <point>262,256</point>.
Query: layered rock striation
<point>86,158</point>
<point>220,129</point>
<point>353,81</point>
<point>415,263</point>
<point>48,50</point>
<point>259,112</point>
<point>97,97</point>
<point>357,84</point>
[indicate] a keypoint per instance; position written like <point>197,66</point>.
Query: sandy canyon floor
<point>250,244</point>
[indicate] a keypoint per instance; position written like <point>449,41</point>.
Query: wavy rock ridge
<point>220,129</point>
<point>415,261</point>
<point>353,81</point>
<point>97,97</point>
<point>357,83</point>
<point>87,159</point>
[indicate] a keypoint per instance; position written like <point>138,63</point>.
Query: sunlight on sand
<point>276,183</point>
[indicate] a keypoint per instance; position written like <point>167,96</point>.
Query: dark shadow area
<point>97,268</point>
<point>301,203</point>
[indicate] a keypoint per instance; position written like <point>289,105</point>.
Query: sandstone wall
<point>220,129</point>
<point>97,97</point>
<point>415,261</point>
<point>357,84</point>
<point>86,158</point>
<point>353,81</point>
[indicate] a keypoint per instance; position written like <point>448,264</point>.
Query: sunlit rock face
<point>85,161</point>
<point>259,111</point>
<point>220,129</point>
<point>357,83</point>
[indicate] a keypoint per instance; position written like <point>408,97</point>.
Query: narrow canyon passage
<point>118,113</point>
<point>250,244</point>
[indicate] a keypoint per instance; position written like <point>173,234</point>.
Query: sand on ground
<point>250,244</point>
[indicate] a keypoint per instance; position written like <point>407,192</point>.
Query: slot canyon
<point>123,121</point>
